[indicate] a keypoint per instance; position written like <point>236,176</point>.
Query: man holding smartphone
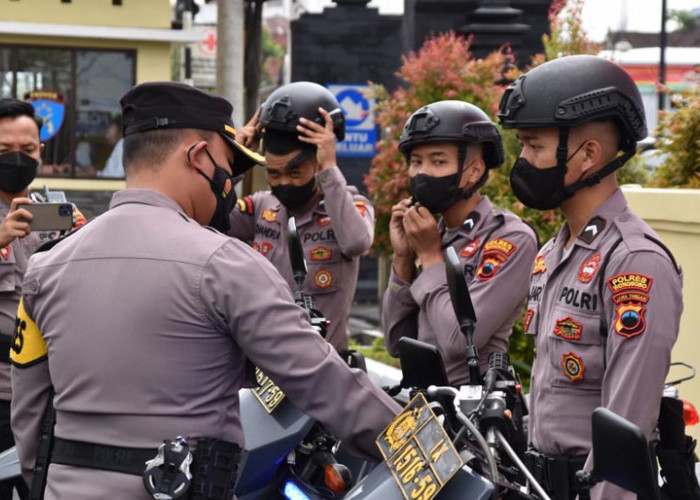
<point>299,124</point>
<point>20,156</point>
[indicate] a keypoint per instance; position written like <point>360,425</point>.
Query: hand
<point>322,137</point>
<point>397,233</point>
<point>16,223</point>
<point>423,235</point>
<point>249,134</point>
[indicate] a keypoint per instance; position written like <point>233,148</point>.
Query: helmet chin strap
<point>464,194</point>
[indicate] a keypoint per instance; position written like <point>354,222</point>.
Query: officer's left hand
<point>320,136</point>
<point>423,235</point>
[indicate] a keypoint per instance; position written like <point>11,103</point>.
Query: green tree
<point>678,136</point>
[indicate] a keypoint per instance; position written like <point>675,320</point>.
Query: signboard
<point>360,127</point>
<point>50,105</point>
<point>204,57</point>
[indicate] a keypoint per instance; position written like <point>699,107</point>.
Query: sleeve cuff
<point>400,289</point>
<point>329,177</point>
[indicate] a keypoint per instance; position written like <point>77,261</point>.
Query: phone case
<point>50,216</point>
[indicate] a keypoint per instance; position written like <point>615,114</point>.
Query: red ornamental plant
<point>444,68</point>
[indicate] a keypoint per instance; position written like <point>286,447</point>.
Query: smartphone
<point>50,216</point>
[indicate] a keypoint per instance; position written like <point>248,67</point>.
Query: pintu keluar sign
<point>360,127</point>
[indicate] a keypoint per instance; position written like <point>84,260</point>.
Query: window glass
<point>6,75</point>
<point>49,70</point>
<point>102,77</point>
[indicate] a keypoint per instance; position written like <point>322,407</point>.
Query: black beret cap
<point>163,105</point>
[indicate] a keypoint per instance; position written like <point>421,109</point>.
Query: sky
<point>598,15</point>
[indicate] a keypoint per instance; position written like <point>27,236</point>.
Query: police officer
<point>299,124</point>
<point>20,156</point>
<point>605,296</point>
<point>450,147</point>
<point>143,321</point>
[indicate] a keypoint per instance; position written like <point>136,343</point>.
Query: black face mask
<point>294,197</point>
<point>437,194</point>
<point>17,171</point>
<point>222,187</point>
<point>542,188</point>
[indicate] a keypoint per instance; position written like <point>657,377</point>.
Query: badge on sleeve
<point>539,266</point>
<point>361,207</point>
<point>573,366</point>
<point>266,247</point>
<point>5,252</point>
<point>28,346</point>
<point>630,294</point>
<point>496,253</point>
<point>470,248</point>
<point>588,269</point>
<point>245,205</point>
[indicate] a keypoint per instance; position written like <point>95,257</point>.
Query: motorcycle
<point>286,451</point>
<point>459,442</point>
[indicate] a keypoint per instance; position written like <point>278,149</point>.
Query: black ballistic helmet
<point>283,108</point>
<point>453,121</point>
<point>574,90</point>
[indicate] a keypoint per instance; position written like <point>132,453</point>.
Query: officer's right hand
<point>397,233</point>
<point>249,134</point>
<point>16,224</point>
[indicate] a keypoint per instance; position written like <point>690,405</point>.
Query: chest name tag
<point>418,451</point>
<point>267,393</point>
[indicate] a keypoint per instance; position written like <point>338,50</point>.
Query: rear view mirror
<point>296,252</point>
<point>459,293</point>
<point>621,454</point>
<point>421,364</point>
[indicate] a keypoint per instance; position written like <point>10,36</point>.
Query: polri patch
<point>320,254</point>
<point>470,248</point>
<point>539,266</point>
<point>269,215</point>
<point>323,278</point>
<point>28,346</point>
<point>568,328</point>
<point>573,367</point>
<point>588,269</point>
<point>5,252</point>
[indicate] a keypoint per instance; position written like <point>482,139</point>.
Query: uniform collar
<point>592,233</point>
<point>472,224</point>
<point>144,197</point>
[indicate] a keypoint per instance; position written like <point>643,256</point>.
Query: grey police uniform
<point>334,233</point>
<point>496,249</point>
<point>605,315</point>
<point>144,336</point>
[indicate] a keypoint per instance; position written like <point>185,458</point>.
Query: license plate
<point>418,451</point>
<point>267,393</point>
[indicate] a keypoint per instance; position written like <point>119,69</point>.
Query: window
<point>83,88</point>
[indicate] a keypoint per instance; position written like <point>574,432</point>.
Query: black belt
<point>5,346</point>
<point>101,456</point>
<point>556,474</point>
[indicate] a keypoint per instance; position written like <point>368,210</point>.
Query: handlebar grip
<point>499,360</point>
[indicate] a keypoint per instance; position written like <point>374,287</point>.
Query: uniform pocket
<point>577,350</point>
<point>323,277</point>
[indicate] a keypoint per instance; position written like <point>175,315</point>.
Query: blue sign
<point>51,107</point>
<point>360,127</point>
